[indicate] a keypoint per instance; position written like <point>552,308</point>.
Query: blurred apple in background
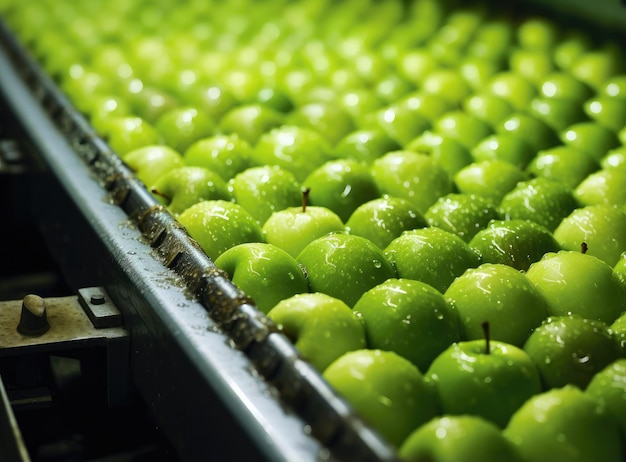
<point>564,424</point>
<point>615,158</point>
<point>151,162</point>
<point>297,149</point>
<point>386,390</point>
<point>431,255</point>
<point>491,179</point>
<point>590,137</point>
<point>606,186</point>
<point>364,145</point>
<point>462,127</point>
<point>489,108</point>
<point>410,318</point>
<point>329,120</point>
<point>576,283</point>
<point>129,133</point>
<point>250,121</point>
<point>181,127</point>
<point>412,176</point>
<point>501,296</point>
<point>227,155</point>
<point>446,151</point>
<point>505,147</point>
<point>264,272</point>
<point>321,327</point>
<point>571,350</point>
<point>218,225</point>
<point>564,164</point>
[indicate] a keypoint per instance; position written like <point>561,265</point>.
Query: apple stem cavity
<point>584,247</point>
<point>485,326</point>
<point>305,198</point>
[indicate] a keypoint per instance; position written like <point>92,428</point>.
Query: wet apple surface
<point>385,178</point>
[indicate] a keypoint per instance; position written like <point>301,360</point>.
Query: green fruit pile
<point>428,197</point>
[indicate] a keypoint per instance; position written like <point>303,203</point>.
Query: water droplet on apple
<point>377,264</point>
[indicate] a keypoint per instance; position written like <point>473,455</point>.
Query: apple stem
<point>584,247</point>
<point>485,326</point>
<point>159,193</point>
<point>305,198</point>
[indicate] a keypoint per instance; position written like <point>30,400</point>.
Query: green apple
<point>227,155</point>
<point>297,149</point>
<point>275,99</point>
<point>185,186</point>
<point>331,121</point>
<point>491,179</point>
<point>452,438</point>
<point>322,328</point>
<point>615,158</point>
<point>501,296</point>
<point>608,388</point>
<point>415,64</point>
<point>477,71</point>
<point>487,107</point>
<point>264,272</point>
<point>250,121</point>
<point>506,147</point>
<point>213,99</point>
<point>293,228</point>
<point>182,126</point>
<point>429,105</point>
<point>401,122</point>
<point>620,268</point>
<point>531,64</point>
<point>431,255</point>
<point>607,186</point>
<point>410,318</point>
<point>615,87</point>
<point>537,33</point>
<point>557,113</point>
<point>513,88</point>
<point>591,138</point>
<point>392,88</point>
<point>576,283</point>
<point>341,185</point>
<point>564,424</point>
<point>445,150</point>
<point>412,176</point>
<point>383,219</point>
<point>365,145</point>
<point>517,243</point>
<point>105,108</point>
<point>573,44</point>
<point>447,83</point>
<point>128,133</point>
<point>571,350</point>
<point>596,66</point>
<point>564,86</point>
<point>492,39</point>
<point>600,227</point>
<point>218,225</point>
<point>265,190</point>
<point>461,214</point>
<point>359,103</point>
<point>564,164</point>
<point>462,127</point>
<point>149,102</point>
<point>608,111</point>
<point>152,162</point>
<point>489,379</point>
<point>344,266</point>
<point>542,200</point>
<point>384,389</point>
<point>618,329</point>
<point>533,131</point>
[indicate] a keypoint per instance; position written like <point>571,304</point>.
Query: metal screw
<point>97,299</point>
